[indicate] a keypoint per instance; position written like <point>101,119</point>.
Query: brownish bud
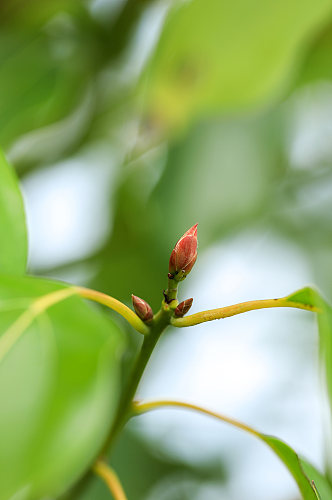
<point>142,309</point>
<point>184,255</point>
<point>183,308</point>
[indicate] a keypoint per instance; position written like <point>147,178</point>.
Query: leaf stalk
<point>242,307</point>
<point>116,305</point>
<point>108,475</point>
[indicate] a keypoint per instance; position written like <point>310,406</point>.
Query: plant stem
<point>160,322</point>
<point>172,290</point>
<point>109,476</point>
<point>226,312</point>
<point>114,304</point>
<point>144,407</point>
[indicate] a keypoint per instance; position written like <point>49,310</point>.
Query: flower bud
<point>142,309</point>
<point>183,308</point>
<point>184,254</point>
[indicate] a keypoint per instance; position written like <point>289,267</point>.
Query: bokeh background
<point>130,120</point>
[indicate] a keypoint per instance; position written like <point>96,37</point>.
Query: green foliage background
<point>201,123</point>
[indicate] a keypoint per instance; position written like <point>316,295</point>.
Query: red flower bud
<point>183,308</point>
<point>184,254</point>
<point>142,309</point>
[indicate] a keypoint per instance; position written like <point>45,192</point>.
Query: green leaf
<point>310,481</point>
<point>325,347</point>
<point>311,297</point>
<point>325,336</point>
<point>215,55</point>
<point>324,488</point>
<point>295,465</point>
<point>13,233</point>
<point>307,296</point>
<point>59,374</point>
<point>316,66</point>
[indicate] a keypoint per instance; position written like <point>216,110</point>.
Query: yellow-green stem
<point>226,312</point>
<point>143,407</point>
<point>108,475</point>
<point>116,305</point>
<point>152,334</point>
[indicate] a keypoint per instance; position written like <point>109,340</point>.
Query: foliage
<point>201,129</point>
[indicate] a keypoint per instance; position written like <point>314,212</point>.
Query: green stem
<point>114,304</point>
<point>143,407</point>
<point>226,312</point>
<point>160,322</point>
<point>172,290</point>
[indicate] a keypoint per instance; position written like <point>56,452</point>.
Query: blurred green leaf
<point>13,249</point>
<point>57,62</point>
<point>40,81</point>
<point>317,63</point>
<point>217,56</point>
<point>232,163</point>
<point>50,57</point>
<point>59,371</point>
<point>34,13</point>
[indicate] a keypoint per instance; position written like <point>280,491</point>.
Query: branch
<point>140,408</point>
<point>116,305</point>
<point>112,481</point>
<point>226,312</point>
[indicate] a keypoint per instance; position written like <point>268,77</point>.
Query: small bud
<point>142,309</point>
<point>183,308</point>
<point>184,254</point>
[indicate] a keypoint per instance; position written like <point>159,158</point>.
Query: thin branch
<point>140,408</point>
<point>108,475</point>
<point>116,305</point>
<point>226,312</point>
